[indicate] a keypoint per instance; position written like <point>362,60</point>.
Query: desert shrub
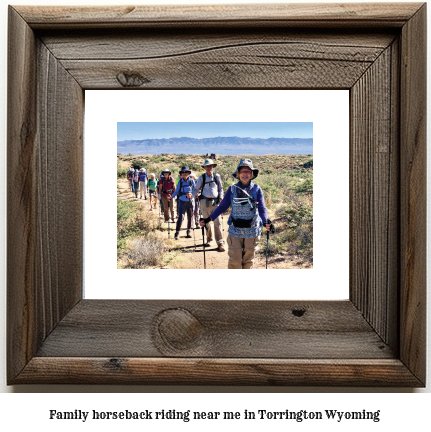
<point>132,221</point>
<point>305,187</point>
<point>308,164</point>
<point>294,228</point>
<point>121,171</point>
<point>138,164</point>
<point>194,166</point>
<point>145,252</point>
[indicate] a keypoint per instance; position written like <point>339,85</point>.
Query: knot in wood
<point>131,79</point>
<point>298,312</point>
<point>178,329</point>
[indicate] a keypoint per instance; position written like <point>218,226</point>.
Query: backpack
<point>201,196</point>
<point>182,185</point>
<point>170,183</point>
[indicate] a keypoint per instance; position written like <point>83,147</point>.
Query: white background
<point>400,410</point>
<point>329,278</point>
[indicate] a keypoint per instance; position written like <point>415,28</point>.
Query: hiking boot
<point>221,247</point>
<point>166,220</point>
<point>188,235</point>
<point>176,236</point>
<point>207,244</point>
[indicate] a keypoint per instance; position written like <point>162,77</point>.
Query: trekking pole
<point>194,225</point>
<point>272,229</point>
<point>203,242</point>
<point>267,249</point>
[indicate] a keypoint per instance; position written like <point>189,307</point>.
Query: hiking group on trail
<point>205,197</point>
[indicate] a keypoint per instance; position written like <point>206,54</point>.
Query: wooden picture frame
<point>376,338</point>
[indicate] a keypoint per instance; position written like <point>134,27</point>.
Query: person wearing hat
<point>210,186</point>
<point>152,187</point>
<point>159,192</point>
<point>184,191</point>
<point>246,218</point>
<point>130,175</point>
<point>167,188</point>
<point>129,178</point>
<point>143,182</point>
<point>135,181</point>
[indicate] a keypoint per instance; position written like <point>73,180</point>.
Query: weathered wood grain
<point>299,14</point>
<point>232,329</point>
<point>45,106</point>
<point>213,60</point>
<point>21,194</point>
<point>141,44</point>
<point>134,371</point>
<point>264,66</point>
<point>374,194</point>
<point>59,183</point>
<point>413,194</point>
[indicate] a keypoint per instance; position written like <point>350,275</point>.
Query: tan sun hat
<point>208,162</point>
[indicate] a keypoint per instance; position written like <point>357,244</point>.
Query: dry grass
<point>144,252</point>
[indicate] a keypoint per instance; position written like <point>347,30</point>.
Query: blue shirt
<point>184,187</point>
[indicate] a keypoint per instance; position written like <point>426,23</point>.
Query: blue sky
<point>140,131</point>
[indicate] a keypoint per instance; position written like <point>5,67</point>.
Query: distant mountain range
<point>218,145</point>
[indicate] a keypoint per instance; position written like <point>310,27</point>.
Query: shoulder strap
<point>212,181</point>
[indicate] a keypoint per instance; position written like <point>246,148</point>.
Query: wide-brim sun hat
<point>246,163</point>
<point>208,162</point>
<point>166,171</point>
<point>185,169</point>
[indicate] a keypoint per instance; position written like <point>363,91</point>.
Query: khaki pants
<point>143,188</point>
<point>241,252</point>
<point>206,210</point>
<point>168,204</point>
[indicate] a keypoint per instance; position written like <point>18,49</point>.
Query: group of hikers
<point>203,201</point>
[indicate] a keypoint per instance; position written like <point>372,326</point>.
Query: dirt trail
<point>189,252</point>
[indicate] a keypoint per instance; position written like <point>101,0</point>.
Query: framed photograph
<point>376,337</point>
<point>305,230</point>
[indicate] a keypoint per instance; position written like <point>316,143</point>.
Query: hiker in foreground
<point>184,191</point>
<point>167,188</point>
<point>152,187</point>
<point>247,216</point>
<point>212,194</point>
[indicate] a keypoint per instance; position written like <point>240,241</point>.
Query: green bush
<point>121,171</point>
<point>305,187</point>
<point>133,221</point>
<point>294,228</point>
